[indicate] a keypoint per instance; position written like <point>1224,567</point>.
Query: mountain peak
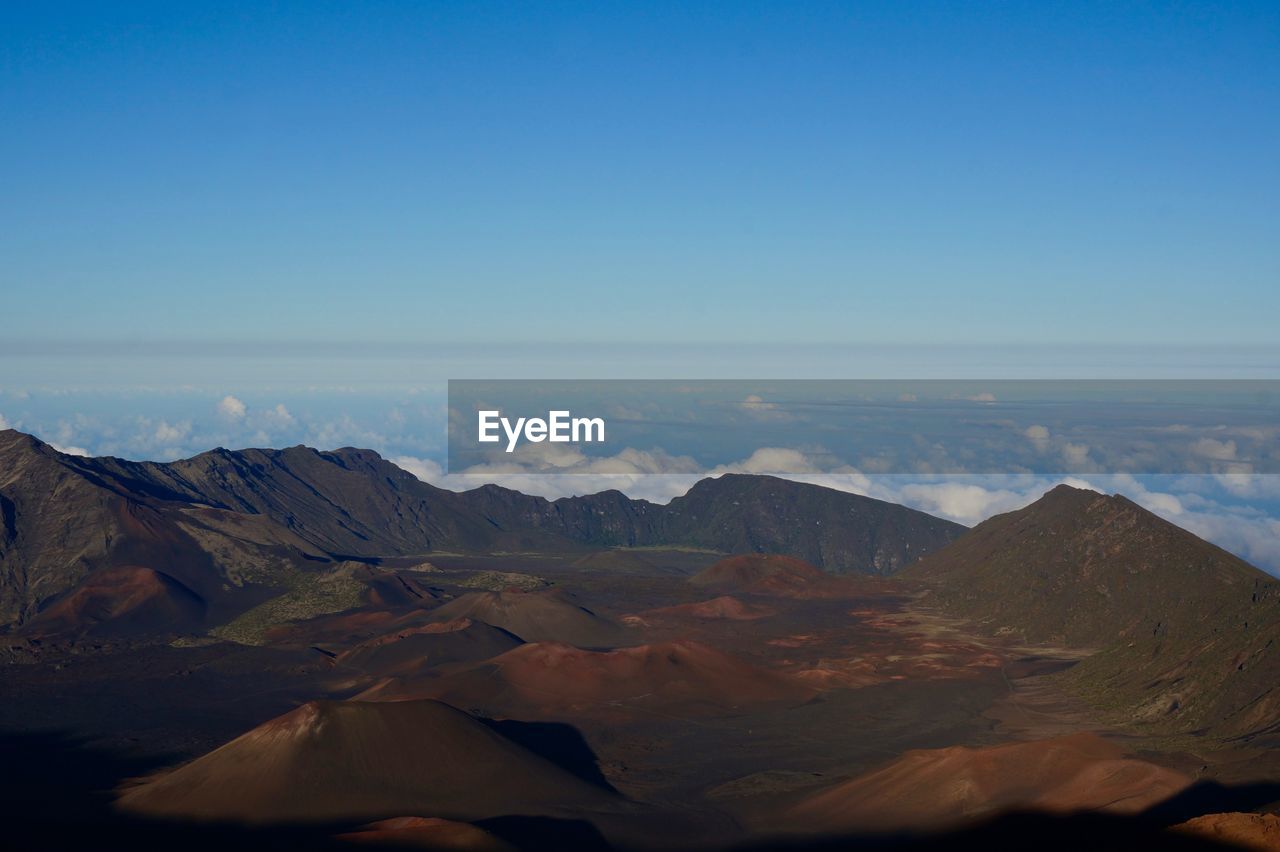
<point>1065,496</point>
<point>1080,567</point>
<point>1161,607</point>
<point>12,440</point>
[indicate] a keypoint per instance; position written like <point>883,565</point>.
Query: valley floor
<point>747,716</point>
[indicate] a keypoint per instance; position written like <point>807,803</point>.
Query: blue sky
<point>264,224</point>
<point>479,173</point>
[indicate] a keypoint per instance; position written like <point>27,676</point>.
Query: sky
<point>660,173</point>
<point>264,224</point>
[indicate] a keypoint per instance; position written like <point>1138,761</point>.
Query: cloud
<point>1038,436</point>
<point>167,434</point>
<point>782,460</point>
<point>4,424</point>
<point>624,472</point>
<point>1259,485</point>
<point>966,504</point>
<point>1261,434</point>
<point>69,451</point>
<point>1167,505</point>
<point>344,432</point>
<point>1244,530</point>
<point>278,417</point>
<point>760,409</point>
<point>551,458</point>
<point>427,470</point>
<point>232,408</point>
<point>1075,482</point>
<point>1210,448</point>
<point>1256,540</point>
<point>1076,456</point>
<point>557,470</point>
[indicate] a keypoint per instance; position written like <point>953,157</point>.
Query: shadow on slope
<point>57,790</point>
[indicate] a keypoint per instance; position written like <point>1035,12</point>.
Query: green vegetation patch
<point>309,595</point>
<point>496,581</point>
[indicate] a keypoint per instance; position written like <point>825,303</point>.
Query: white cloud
<point>966,504</point>
<point>560,458</point>
<point>658,488</point>
<point>1264,485</point>
<point>167,434</point>
<point>1075,482</point>
<point>4,424</point>
<point>1256,540</point>
<point>782,460</point>
<point>425,469</point>
<point>278,417</point>
<point>1167,505</point>
<point>232,408</point>
<point>1038,436</point>
<point>344,432</point>
<point>1210,448</point>
<point>1261,434</point>
<point>69,451</point>
<point>760,409</point>
<point>1076,456</point>
<point>1187,501</point>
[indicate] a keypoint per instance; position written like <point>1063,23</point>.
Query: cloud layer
<point>1233,507</point>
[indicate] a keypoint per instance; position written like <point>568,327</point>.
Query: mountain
<point>555,681</point>
<point>1235,830</point>
<point>839,532</point>
<point>415,649</point>
<point>124,600</point>
<point>1185,633</point>
<point>345,503</point>
<point>225,520</point>
<point>1084,569</point>
<point>723,608</point>
<point>943,788</point>
<point>63,517</point>
<point>540,616</point>
<point>341,761</point>
<point>769,575</point>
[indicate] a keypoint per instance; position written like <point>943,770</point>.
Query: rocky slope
<point>1185,633</point>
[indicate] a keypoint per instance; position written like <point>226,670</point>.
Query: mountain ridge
<point>230,518</point>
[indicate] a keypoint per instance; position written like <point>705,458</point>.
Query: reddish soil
<point>427,833</point>
<point>550,680</point>
<point>540,616</point>
<point>724,607</point>
<point>122,599</point>
<point>1240,830</point>
<point>357,760</point>
<point>415,649</point>
<point>940,788</point>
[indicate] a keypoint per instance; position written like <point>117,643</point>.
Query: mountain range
<point>1181,636</point>
<point>225,523</point>
<point>758,657</point>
